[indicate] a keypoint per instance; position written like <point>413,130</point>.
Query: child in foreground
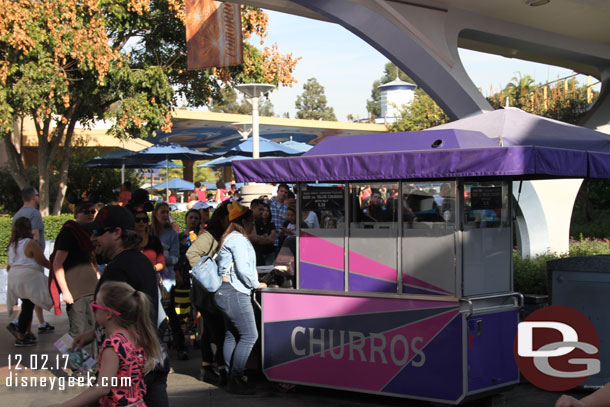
<point>129,351</point>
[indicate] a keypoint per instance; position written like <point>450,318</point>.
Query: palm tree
<point>518,89</point>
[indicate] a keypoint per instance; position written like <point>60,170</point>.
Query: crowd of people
<point>118,270</point>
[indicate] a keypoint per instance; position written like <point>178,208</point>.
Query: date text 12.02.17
<point>38,362</point>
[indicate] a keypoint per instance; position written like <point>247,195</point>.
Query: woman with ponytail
<point>237,265</point>
<point>131,348</point>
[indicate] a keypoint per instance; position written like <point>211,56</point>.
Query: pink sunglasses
<point>95,306</point>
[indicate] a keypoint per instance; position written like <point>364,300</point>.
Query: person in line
<point>180,293</point>
<point>163,230</point>
<point>26,279</point>
<point>125,194</point>
<point>310,218</point>
<point>264,234</point>
<point>31,199</point>
<point>150,245</point>
<point>192,200</point>
<point>172,197</point>
<point>204,213</point>
<point>74,268</point>
<point>278,210</point>
<point>233,191</point>
<point>213,322</point>
<point>289,227</point>
<point>200,190</point>
<point>237,265</point>
<point>115,239</point>
<point>130,349</point>
<point>221,192</point>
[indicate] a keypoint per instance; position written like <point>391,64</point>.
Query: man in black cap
<point>114,238</point>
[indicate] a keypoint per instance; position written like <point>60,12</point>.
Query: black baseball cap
<point>112,217</point>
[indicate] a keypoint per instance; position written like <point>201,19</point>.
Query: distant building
<point>394,95</point>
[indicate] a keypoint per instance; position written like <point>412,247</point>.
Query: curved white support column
<point>543,215</point>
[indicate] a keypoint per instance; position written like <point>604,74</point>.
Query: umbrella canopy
<point>295,145</point>
<point>223,161</point>
<point>130,163</point>
<point>176,183</point>
<point>170,151</point>
<point>119,158</point>
<point>506,142</point>
<point>267,148</point>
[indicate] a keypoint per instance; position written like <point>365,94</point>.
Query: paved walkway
<point>186,391</point>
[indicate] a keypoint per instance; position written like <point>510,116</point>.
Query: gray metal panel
<point>486,260</point>
<point>429,255</point>
<point>588,293</point>
<point>379,249</point>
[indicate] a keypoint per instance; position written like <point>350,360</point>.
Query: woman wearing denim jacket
<point>237,265</point>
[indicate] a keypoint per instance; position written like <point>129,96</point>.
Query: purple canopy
<point>506,142</point>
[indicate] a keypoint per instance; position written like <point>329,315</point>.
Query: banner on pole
<point>213,34</point>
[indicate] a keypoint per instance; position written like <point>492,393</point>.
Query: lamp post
<point>253,93</point>
<point>243,128</point>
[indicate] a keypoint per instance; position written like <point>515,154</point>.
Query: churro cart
<point>404,282</point>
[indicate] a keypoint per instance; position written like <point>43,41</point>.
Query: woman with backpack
<point>213,322</point>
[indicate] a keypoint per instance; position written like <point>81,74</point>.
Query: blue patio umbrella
<point>223,161</point>
<point>302,147</point>
<point>119,158</point>
<point>267,148</point>
<point>175,183</point>
<point>170,151</point>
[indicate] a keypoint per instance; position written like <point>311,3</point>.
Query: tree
<point>311,104</point>
<point>65,62</point>
<point>229,104</point>
<point>390,73</point>
<point>563,100</point>
<point>421,114</point>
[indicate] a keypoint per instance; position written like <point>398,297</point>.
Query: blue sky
<point>347,66</point>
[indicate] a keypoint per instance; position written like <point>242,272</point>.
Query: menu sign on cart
<point>323,199</point>
<point>486,198</point>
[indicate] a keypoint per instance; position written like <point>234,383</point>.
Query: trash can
<point>583,283</point>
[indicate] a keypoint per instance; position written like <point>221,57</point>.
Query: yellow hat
<point>236,210</point>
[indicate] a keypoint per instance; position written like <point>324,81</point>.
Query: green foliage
<point>589,247</point>
<point>421,114</point>
<point>530,276</point>
<point>99,181</point>
<point>311,104</point>
<point>566,100</point>
<point>5,237</point>
<point>230,104</point>
<point>10,198</point>
<point>179,218</point>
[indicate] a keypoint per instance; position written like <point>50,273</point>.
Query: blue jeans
<point>240,327</point>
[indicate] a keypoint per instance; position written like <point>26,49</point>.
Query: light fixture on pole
<point>243,128</point>
<point>253,92</point>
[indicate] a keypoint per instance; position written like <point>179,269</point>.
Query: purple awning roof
<point>510,143</point>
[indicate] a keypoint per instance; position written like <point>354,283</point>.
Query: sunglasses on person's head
<point>95,306</point>
<point>99,232</point>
